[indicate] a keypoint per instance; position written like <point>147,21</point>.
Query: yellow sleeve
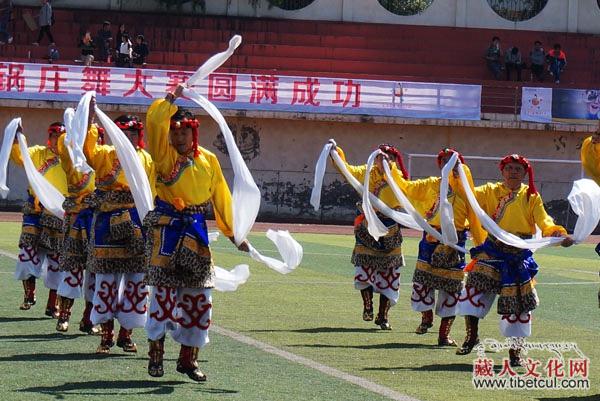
<point>221,199</point>
<point>158,121</point>
<point>417,190</point>
<point>544,221</point>
<point>590,158</point>
<point>99,157</point>
<point>63,153</point>
<point>34,152</point>
<point>475,228</point>
<point>90,146</point>
<point>152,178</point>
<point>481,195</point>
<point>357,172</point>
<point>15,155</point>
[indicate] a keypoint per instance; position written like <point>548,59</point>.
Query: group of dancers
<point>155,273</point>
<point>496,269</point>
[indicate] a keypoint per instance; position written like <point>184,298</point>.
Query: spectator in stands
<point>537,58</point>
<point>5,13</point>
<point>557,61</point>
<point>493,57</point>
<point>53,53</point>
<point>514,61</point>
<point>140,51</point>
<point>120,32</point>
<point>124,56</point>
<point>45,19</point>
<point>87,47</point>
<point>103,41</point>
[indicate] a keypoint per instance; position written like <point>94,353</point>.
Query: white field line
<point>358,381</point>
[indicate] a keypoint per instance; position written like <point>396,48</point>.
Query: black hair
<point>514,50</point>
<point>140,37</point>
<point>181,114</point>
<point>105,23</point>
<point>536,42</point>
<point>495,38</point>
<point>56,124</point>
<point>556,46</point>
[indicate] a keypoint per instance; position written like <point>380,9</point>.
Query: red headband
<point>448,152</point>
<point>392,151</point>
<point>101,135</point>
<point>528,168</point>
<point>189,123</point>
<point>56,129</point>
<point>134,125</point>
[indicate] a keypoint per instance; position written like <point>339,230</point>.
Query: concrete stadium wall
<point>579,16</point>
<point>282,153</point>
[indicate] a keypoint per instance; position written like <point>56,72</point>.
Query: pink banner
<point>244,91</point>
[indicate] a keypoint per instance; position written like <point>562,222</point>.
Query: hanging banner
<point>244,91</point>
<point>576,104</point>
<point>548,104</point>
<point>536,105</point>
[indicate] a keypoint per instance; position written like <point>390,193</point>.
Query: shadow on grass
<point>75,356</point>
<point>116,387</point>
<point>449,367</point>
<point>40,337</point>
<point>22,319</point>
<point>316,330</point>
<point>369,346</point>
<point>593,397</point>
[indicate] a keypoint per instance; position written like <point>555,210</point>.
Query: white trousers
<point>34,263</point>
<point>423,299</point>
<point>476,303</point>
<point>121,296</point>
<point>387,284</point>
<point>183,312</point>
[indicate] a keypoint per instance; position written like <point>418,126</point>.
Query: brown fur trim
<point>517,304</point>
<point>437,282</point>
<point>483,282</point>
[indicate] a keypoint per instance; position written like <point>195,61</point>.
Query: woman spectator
<point>124,54</point>
<point>87,47</point>
<point>120,32</point>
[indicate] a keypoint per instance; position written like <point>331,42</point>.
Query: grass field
<point>313,312</point>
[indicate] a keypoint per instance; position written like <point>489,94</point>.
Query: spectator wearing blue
<point>537,58</point>
<point>45,19</point>
<point>557,61</point>
<point>5,13</point>
<point>493,57</point>
<point>513,61</point>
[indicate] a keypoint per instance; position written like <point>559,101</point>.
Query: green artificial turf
<point>313,312</point>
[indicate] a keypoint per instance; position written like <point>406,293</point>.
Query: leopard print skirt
<point>383,254</point>
<point>116,243</point>
<point>77,226</point>
<point>40,230</point>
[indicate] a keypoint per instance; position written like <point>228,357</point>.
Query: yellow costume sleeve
<point>35,152</point>
<point>542,219</point>
<point>475,228</point>
<point>590,158</point>
<point>221,198</point>
<point>158,120</point>
<point>357,172</point>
